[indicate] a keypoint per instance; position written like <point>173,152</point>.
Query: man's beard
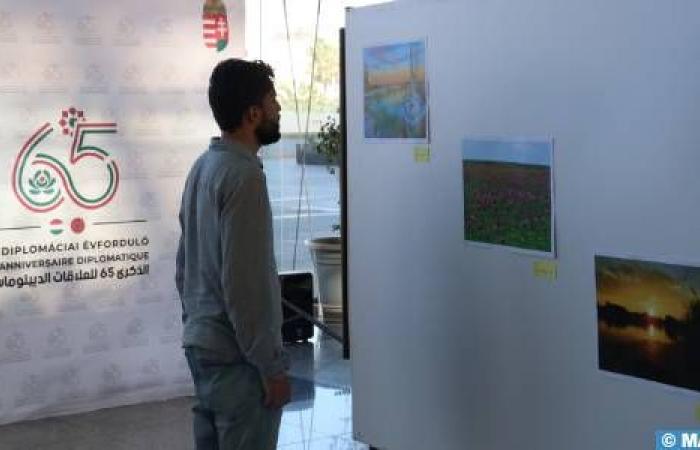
<point>268,132</point>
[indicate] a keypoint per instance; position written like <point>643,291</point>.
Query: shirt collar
<point>218,143</point>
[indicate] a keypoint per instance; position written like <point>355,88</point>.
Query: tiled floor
<point>319,416</point>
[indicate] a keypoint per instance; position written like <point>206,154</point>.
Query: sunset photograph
<point>649,320</point>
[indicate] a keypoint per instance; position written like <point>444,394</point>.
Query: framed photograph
<point>395,92</point>
<point>649,320</point>
<point>508,194</point>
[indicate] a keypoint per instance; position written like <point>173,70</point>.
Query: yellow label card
<point>545,269</point>
<point>421,154</point>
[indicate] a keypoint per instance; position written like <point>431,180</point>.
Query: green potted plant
<point>326,252</point>
<point>328,142</point>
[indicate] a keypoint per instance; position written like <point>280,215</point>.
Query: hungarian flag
<point>56,227</point>
<point>215,24</point>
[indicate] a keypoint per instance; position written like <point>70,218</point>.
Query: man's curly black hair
<point>234,86</point>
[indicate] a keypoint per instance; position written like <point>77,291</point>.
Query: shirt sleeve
<point>180,267</point>
<point>249,275</point>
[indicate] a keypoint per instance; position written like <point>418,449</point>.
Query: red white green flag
<point>215,25</point>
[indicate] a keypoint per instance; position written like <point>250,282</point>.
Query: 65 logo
<point>42,181</point>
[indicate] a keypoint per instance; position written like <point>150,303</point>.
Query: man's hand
<point>278,391</point>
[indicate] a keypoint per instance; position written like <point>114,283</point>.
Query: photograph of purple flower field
<point>508,193</point>
<point>649,320</point>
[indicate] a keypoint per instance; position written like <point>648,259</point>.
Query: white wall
<point>458,347</point>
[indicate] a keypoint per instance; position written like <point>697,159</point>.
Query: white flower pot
<point>326,254</point>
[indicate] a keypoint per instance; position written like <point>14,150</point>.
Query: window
<point>304,192</point>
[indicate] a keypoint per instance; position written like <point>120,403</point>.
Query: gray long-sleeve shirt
<point>225,272</point>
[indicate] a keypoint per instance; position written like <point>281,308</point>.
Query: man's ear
<point>254,114</point>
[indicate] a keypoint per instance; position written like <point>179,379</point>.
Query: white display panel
<point>458,347</point>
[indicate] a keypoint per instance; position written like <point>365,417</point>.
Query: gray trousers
<point>229,413</point>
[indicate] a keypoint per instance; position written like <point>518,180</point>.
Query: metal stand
<point>300,313</point>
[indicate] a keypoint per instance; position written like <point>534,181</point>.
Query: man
<point>226,273</point>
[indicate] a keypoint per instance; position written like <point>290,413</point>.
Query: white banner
<point>103,109</point>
